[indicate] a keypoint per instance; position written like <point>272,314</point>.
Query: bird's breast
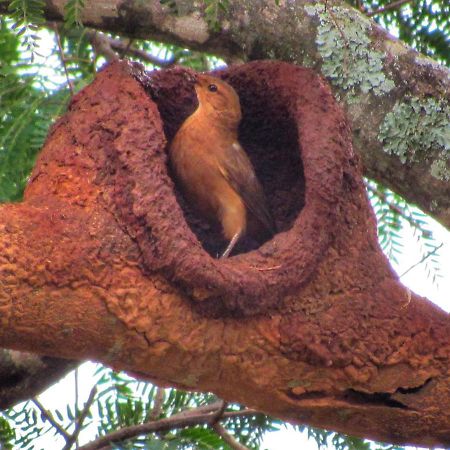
<point>198,172</point>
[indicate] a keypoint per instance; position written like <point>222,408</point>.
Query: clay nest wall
<point>300,144</point>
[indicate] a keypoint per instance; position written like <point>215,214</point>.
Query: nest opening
<point>298,142</point>
<point>273,150</point>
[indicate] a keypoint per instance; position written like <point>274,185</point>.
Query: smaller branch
<point>101,45</point>
<point>219,413</point>
<point>393,207</point>
<point>62,57</point>
<point>77,399</point>
<point>227,437</point>
<point>393,5</point>
<point>430,253</point>
<point>203,415</point>
<point>48,416</point>
<point>109,47</point>
<point>157,407</point>
<point>81,418</point>
<point>123,54</point>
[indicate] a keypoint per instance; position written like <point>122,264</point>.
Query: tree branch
<point>198,416</point>
<point>110,47</point>
<point>90,263</point>
<point>48,416</point>
<point>391,6</point>
<point>62,57</point>
<point>80,419</point>
<point>158,404</point>
<point>227,437</point>
<point>24,375</point>
<point>425,257</point>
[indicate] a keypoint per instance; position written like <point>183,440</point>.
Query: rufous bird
<point>213,171</point>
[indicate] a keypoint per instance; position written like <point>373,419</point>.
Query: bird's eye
<point>212,88</point>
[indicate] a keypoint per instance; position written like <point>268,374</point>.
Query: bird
<point>213,171</point>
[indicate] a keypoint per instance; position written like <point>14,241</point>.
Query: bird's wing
<point>238,170</point>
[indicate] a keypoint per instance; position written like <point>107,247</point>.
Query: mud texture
<point>104,261</point>
<point>300,145</point>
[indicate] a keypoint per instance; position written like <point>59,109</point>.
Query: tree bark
<point>89,268</point>
<point>397,100</point>
<point>24,375</point>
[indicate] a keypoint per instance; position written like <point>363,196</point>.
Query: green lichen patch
<point>418,130</point>
<point>349,60</point>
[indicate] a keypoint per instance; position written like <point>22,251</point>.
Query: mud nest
<point>300,145</point>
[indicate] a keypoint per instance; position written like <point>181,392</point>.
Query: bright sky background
<point>417,280</point>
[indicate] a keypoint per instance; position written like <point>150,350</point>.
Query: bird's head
<point>218,100</point>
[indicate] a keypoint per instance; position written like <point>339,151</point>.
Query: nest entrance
<point>299,143</point>
<point>273,151</point>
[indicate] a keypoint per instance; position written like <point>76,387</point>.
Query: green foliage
<point>393,214</point>
<point>212,12</point>
<point>28,425</point>
<point>7,434</point>
<point>328,439</point>
<point>72,13</point>
<point>29,103</point>
<point>423,24</point>
<point>27,16</point>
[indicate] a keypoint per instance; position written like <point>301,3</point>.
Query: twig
<point>127,48</point>
<point>341,32</point>
<point>48,416</point>
<point>108,47</point>
<point>62,57</point>
<point>336,24</point>
<point>430,253</point>
<point>393,207</point>
<point>230,440</point>
<point>392,5</point>
<point>266,269</point>
<point>101,45</point>
<point>198,416</point>
<point>157,407</point>
<point>81,417</point>
<point>77,398</point>
<point>219,413</point>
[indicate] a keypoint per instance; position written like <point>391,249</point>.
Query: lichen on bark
<point>349,59</point>
<point>417,130</point>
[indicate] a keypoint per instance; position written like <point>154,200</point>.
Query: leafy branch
<point>392,212</point>
<point>27,16</point>
<point>202,415</point>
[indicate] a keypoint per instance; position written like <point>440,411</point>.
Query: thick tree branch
<point>93,264</point>
<point>384,85</point>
